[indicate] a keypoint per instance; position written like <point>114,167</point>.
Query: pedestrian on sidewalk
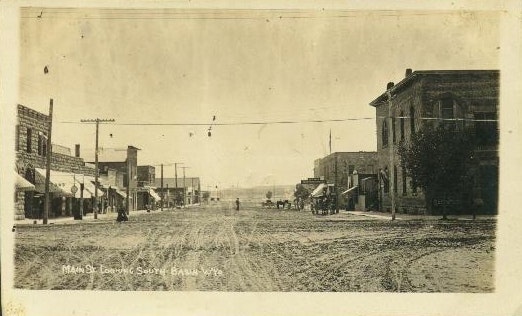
<point>237,204</point>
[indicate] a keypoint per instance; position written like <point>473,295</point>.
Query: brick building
<point>345,164</point>
<point>66,170</point>
<point>125,164</point>
<point>426,97</point>
<point>364,162</point>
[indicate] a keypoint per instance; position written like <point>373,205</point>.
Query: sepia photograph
<point>256,153</point>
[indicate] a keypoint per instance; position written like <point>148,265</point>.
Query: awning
<point>154,195</point>
<point>350,190</point>
<point>60,183</point>
<point>120,192</point>
<point>319,191</point>
<point>22,184</point>
<point>90,187</point>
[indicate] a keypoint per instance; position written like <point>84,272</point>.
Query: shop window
<point>413,188</point>
<point>383,177</point>
<point>404,188</point>
<point>486,128</point>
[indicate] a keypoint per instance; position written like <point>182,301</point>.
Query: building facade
<point>461,97</point>
<point>146,196</point>
<point>338,168</point>
<point>66,170</point>
<point>180,191</point>
<point>125,163</point>
<point>345,163</point>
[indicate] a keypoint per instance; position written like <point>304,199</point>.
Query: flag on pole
<point>330,141</point>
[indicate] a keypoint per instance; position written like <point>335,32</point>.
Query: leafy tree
<point>268,195</point>
<point>439,160</point>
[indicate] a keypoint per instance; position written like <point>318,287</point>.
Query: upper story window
<point>29,140</point>
<point>447,112</point>
<point>384,134</point>
<point>42,145</point>
<point>17,136</point>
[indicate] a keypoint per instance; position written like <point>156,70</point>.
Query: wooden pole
<point>162,193</point>
<point>48,164</point>
<point>391,136</point>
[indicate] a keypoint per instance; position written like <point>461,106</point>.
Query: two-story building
<point>338,169</point>
<point>66,171</point>
<point>146,196</point>
<point>125,162</point>
<point>460,97</point>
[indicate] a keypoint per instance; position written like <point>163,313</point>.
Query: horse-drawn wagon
<point>323,199</point>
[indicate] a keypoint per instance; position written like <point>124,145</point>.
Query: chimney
<point>408,72</point>
<point>389,85</point>
<point>77,150</point>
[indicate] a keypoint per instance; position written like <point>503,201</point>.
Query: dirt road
<point>219,249</point>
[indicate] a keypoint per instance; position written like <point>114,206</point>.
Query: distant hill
<point>258,193</point>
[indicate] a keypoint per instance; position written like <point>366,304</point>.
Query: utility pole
<point>184,187</point>
<point>48,164</point>
<point>176,181</point>
<point>336,190</point>
<point>96,171</point>
<point>392,163</point>
<point>162,193</point>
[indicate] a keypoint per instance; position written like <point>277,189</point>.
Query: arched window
<point>384,134</point>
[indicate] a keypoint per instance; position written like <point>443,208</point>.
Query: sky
<point>185,66</point>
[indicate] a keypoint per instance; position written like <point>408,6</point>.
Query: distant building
<point>338,168</point>
<point>470,97</point>
<point>146,196</point>
<point>125,163</point>
<point>66,171</point>
<point>347,162</point>
<point>181,191</point>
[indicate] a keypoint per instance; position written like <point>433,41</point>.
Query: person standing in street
<point>237,204</point>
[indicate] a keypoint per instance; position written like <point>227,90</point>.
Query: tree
<point>439,160</point>
<point>268,195</point>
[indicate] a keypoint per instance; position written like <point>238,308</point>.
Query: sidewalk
<point>401,216</point>
<point>86,218</point>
